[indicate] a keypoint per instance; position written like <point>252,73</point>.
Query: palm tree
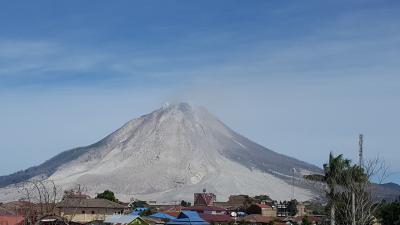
<point>334,172</point>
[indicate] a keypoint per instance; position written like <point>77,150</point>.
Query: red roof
<point>216,218</point>
<point>263,206</point>
<point>11,220</point>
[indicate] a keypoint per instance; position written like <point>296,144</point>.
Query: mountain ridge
<point>170,153</point>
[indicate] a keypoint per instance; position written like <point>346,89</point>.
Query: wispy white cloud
<point>303,94</point>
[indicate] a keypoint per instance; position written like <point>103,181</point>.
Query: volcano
<point>169,154</point>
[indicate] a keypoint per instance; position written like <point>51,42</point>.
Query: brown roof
<point>263,206</point>
<point>216,218</point>
<point>257,218</point>
<point>16,204</point>
<point>204,208</point>
<point>204,198</point>
<point>89,203</point>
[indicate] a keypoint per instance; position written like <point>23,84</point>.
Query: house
<point>204,199</point>
<point>236,202</point>
<point>84,209</point>
<point>301,209</point>
<point>282,209</point>
<point>30,211</point>
<point>262,209</point>
<point>188,218</point>
<point>18,207</point>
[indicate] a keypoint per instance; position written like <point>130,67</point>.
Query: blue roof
<point>136,211</point>
<point>140,209</point>
<point>162,216</point>
<point>188,218</point>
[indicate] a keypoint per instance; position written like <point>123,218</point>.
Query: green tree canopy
<point>185,203</point>
<point>107,194</point>
<point>292,207</point>
<point>389,213</point>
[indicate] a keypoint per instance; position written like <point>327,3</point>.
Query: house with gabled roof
<point>85,209</point>
<point>204,199</point>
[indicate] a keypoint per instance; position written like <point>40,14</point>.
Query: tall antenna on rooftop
<point>293,183</point>
<point>360,151</point>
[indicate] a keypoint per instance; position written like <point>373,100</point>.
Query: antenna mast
<point>293,183</point>
<point>360,152</point>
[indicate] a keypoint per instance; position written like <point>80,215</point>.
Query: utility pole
<point>360,151</point>
<point>293,183</point>
<point>353,196</point>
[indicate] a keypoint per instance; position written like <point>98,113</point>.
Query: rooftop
<point>89,203</point>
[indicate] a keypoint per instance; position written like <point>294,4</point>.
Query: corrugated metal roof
<point>188,218</point>
<point>162,216</point>
<point>122,219</point>
<point>89,203</point>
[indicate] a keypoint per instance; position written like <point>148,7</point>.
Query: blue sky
<point>300,77</point>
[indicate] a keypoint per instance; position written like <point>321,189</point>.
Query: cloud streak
<point>298,78</point>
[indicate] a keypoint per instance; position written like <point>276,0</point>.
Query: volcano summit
<point>168,155</point>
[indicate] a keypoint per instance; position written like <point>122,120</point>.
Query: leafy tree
<point>292,207</point>
<point>262,198</point>
<point>185,203</point>
<point>253,209</point>
<point>333,177</point>
<point>349,191</point>
<point>389,213</point>
<point>107,194</point>
<point>305,221</point>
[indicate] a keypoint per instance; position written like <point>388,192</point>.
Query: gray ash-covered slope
<point>169,154</point>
